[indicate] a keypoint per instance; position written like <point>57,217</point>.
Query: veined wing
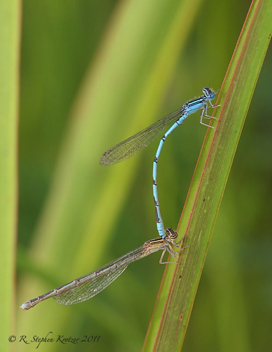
<point>89,285</point>
<point>139,141</point>
<point>88,290</point>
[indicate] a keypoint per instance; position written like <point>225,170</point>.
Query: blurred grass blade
<point>9,81</point>
<point>85,198</point>
<point>170,320</point>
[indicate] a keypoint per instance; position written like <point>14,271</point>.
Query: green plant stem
<point>173,308</point>
<point>9,89</point>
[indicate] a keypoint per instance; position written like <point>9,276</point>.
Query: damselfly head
<point>170,233</point>
<point>208,93</point>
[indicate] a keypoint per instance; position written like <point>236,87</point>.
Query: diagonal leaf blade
<point>170,320</point>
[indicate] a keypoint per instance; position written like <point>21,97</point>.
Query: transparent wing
<point>88,290</point>
<point>87,286</point>
<point>139,141</point>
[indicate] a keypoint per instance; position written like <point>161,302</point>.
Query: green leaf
<point>176,297</point>
<point>9,107</point>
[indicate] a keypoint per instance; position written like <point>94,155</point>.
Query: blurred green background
<point>84,89</point>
